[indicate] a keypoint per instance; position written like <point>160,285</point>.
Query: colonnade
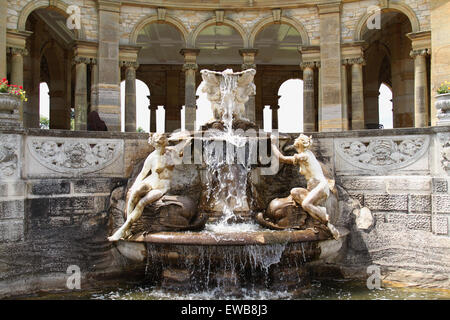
<point>327,68</point>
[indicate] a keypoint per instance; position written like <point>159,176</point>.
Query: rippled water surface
<point>324,290</point>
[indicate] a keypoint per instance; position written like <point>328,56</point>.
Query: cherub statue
<point>318,186</point>
<point>245,88</point>
<point>153,181</point>
<point>221,92</point>
<point>211,85</point>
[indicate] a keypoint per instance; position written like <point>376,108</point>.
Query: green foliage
<point>140,130</point>
<point>44,122</point>
<point>444,88</point>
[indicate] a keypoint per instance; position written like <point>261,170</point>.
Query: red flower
<point>20,87</point>
<point>4,80</point>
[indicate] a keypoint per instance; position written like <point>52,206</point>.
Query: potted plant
<point>11,97</point>
<point>443,103</point>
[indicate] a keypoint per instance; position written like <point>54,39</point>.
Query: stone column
<point>130,95</point>
<point>274,107</point>
<point>190,68</point>
<point>17,65</point>
<point>345,122</point>
<point>80,92</point>
<point>94,85</point>
<point>330,115</point>
<point>152,108</point>
<point>357,94</point>
<point>3,15</point>
<point>17,71</point>
<point>319,89</point>
<point>421,104</point>
<point>108,89</point>
<point>248,62</point>
<point>309,121</point>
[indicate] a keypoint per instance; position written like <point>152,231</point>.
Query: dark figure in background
<point>94,122</point>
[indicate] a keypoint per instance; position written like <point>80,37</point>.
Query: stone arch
<point>43,4</point>
<point>207,23</point>
<point>154,19</point>
<point>284,20</point>
<point>397,7</point>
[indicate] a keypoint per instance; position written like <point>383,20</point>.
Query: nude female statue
<point>152,182</point>
<point>318,186</point>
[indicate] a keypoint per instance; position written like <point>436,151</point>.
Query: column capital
<point>18,51</point>
<point>190,66</point>
<point>129,64</point>
<point>308,65</point>
<point>419,52</point>
<point>353,61</point>
<point>81,59</point>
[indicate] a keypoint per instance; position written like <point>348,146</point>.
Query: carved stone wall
<point>56,185</point>
<point>55,189</point>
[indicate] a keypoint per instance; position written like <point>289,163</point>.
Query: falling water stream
<point>227,174</point>
<point>227,166</point>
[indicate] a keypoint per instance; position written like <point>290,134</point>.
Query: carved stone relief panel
<point>382,154</point>
<point>10,146</point>
<point>74,156</point>
<point>444,140</point>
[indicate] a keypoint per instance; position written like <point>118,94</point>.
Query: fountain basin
<point>265,237</point>
<point>190,261</point>
<point>135,247</point>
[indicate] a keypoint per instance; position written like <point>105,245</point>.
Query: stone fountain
<point>224,208</point>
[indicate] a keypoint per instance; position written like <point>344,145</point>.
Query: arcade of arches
<point>327,44</point>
